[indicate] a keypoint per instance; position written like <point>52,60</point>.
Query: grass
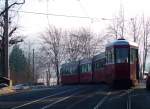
<point>6,90</point>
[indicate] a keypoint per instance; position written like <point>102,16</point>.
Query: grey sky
<point>35,23</point>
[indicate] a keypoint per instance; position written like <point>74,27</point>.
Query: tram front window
<point>122,55</point>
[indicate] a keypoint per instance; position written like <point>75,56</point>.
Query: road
<point>78,97</point>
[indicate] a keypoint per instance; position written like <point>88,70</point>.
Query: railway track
<point>116,100</point>
<point>68,99</point>
<point>86,97</point>
<point>42,101</point>
<point>77,96</point>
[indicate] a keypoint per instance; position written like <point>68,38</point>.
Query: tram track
<point>115,99</point>
<point>86,97</point>
<point>129,99</point>
<point>48,101</point>
<point>61,100</point>
<point>34,102</point>
<point>99,104</point>
<point>76,99</point>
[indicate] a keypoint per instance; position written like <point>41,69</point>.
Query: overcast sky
<point>33,24</point>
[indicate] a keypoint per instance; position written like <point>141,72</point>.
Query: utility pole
<point>4,68</point>
<point>5,43</point>
<point>1,58</point>
<point>33,67</point>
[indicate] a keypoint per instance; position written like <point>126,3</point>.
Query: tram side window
<point>121,55</point>
<point>72,70</point>
<point>97,65</point>
<point>82,68</point>
<point>110,56</point>
<point>86,68</point>
<point>133,55</point>
<point>61,71</point>
<point>89,67</point>
<point>100,64</point>
<point>67,71</point>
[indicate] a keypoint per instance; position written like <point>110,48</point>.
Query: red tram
<point>117,66</point>
<point>122,62</point>
<point>70,73</point>
<point>99,74</point>
<point>85,70</point>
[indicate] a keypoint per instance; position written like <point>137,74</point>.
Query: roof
<point>70,64</point>
<point>99,56</point>
<point>122,42</point>
<point>85,60</point>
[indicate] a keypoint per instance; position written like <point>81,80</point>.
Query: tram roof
<point>99,56</point>
<point>70,64</point>
<point>86,60</point>
<point>122,42</point>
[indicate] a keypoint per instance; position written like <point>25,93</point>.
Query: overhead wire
<point>58,15</point>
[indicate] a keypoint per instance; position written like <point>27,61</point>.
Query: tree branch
<point>12,31</point>
<point>16,3</point>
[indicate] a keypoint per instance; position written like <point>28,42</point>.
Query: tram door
<point>134,66</point>
<point>122,63</point>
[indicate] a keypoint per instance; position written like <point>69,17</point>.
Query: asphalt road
<point>78,97</point>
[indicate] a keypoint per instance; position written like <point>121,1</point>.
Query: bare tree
<point>72,46</point>
<point>134,33</point>
<point>13,37</point>
<point>43,64</point>
<point>89,42</point>
<point>6,33</point>
<point>113,28</point>
<point>135,29</point>
<point>82,44</point>
<point>85,38</point>
<point>121,22</point>
<point>46,62</point>
<point>146,40</point>
<point>11,5</point>
<point>52,41</point>
<point>117,28</point>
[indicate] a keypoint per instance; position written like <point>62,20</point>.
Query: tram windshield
<point>122,55</point>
